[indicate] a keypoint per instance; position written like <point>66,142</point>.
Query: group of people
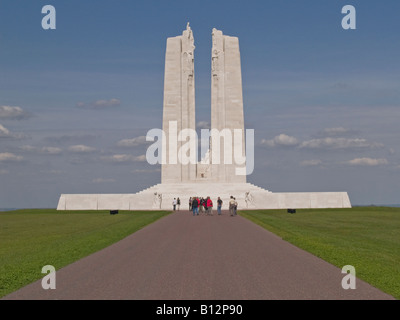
<point>176,203</point>
<point>199,204</point>
<point>233,206</point>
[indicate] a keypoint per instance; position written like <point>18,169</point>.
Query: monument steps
<point>147,189</point>
<point>160,197</point>
<point>258,188</point>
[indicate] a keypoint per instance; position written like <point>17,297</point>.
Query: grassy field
<point>31,239</point>
<point>367,238</point>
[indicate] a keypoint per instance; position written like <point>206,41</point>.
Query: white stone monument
<point>213,176</point>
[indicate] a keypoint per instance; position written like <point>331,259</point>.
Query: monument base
<point>160,197</point>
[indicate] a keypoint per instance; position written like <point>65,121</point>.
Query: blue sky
<point>324,102</point>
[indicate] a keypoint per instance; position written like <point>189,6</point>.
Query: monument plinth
<point>216,175</point>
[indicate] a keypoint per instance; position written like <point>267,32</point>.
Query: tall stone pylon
<point>227,118</point>
<point>178,106</point>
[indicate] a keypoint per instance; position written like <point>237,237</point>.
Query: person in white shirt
<point>232,204</point>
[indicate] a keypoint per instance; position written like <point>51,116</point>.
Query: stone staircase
<point>160,197</point>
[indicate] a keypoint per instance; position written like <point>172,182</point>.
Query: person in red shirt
<point>209,206</point>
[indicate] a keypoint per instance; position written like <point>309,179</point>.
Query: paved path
<point>204,257</point>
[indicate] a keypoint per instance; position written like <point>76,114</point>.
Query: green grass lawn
<point>367,238</point>
<point>33,238</point>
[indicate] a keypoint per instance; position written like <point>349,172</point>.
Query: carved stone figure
<point>157,200</point>
<point>249,199</point>
<point>188,50</point>
<point>214,54</point>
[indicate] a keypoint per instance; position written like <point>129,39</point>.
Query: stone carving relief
<point>215,53</point>
<point>157,200</point>
<point>249,199</point>
<point>188,56</point>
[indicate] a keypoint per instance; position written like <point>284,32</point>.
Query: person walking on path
<point>201,204</point>
<point>178,202</point>
<point>209,206</point>
<point>235,207</point>
<point>174,204</point>
<point>232,206</point>
<point>204,205</point>
<point>195,206</point>
<point>190,203</point>
<point>219,205</point>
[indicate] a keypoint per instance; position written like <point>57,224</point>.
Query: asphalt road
<point>181,257</point>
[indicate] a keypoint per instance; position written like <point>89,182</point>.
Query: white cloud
<point>9,157</point>
<point>52,171</point>
<point>13,113</point>
<point>146,170</point>
<point>7,134</point>
<point>334,132</point>
<point>281,140</point>
<point>203,125</point>
<point>338,143</point>
<point>74,138</point>
<point>80,148</point>
<point>367,161</point>
<point>28,148</point>
<point>50,150</point>
<point>133,142</point>
<point>43,150</point>
<point>311,162</point>
<point>4,132</point>
<point>123,158</point>
<point>99,104</point>
<point>141,158</point>
<point>101,180</point>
